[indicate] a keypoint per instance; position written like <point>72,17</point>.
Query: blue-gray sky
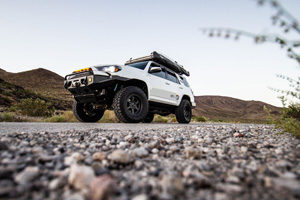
<point>65,35</point>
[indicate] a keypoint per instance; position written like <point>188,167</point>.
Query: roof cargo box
<point>163,60</point>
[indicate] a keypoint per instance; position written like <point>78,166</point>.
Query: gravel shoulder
<point>152,161</point>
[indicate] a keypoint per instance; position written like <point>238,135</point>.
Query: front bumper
<point>89,87</point>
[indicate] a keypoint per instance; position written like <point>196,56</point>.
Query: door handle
<point>167,83</point>
<point>180,87</point>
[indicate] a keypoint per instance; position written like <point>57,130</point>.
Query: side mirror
<point>155,69</point>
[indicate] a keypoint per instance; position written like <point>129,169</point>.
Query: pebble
<point>140,197</point>
<point>141,152</point>
<point>27,175</point>
<point>99,156</point>
<point>192,153</point>
<point>291,184</point>
<point>122,157</point>
<point>155,150</point>
<point>3,146</point>
<point>229,188</point>
<point>233,179</point>
<point>73,159</point>
<point>244,149</point>
<point>58,183</point>
<point>228,161</point>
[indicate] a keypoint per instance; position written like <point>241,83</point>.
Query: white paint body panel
<point>160,90</point>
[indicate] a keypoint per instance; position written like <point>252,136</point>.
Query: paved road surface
<point>12,127</point>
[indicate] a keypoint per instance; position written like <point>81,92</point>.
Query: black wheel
<point>86,112</point>
<point>149,118</point>
<point>130,105</point>
<point>184,112</point>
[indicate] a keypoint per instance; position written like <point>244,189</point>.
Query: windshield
<point>139,65</point>
<point>184,81</point>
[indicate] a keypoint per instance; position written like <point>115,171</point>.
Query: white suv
<point>135,91</point>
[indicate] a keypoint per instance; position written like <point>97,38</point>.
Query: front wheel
<point>184,112</point>
<point>130,105</point>
<point>149,118</point>
<point>87,112</point>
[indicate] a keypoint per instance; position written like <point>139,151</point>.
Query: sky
<point>66,35</point>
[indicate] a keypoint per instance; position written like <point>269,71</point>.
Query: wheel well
<point>137,83</point>
<point>186,97</point>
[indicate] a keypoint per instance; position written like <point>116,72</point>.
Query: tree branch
<point>258,38</point>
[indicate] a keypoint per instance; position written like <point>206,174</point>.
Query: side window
<point>161,74</point>
<point>172,77</point>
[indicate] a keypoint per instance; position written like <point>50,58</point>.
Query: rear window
<point>139,65</point>
<point>172,77</point>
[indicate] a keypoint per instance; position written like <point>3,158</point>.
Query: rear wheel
<point>149,118</point>
<point>87,112</point>
<point>184,112</point>
<point>130,105</point>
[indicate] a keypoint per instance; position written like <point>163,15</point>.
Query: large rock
<point>102,187</point>
<point>172,186</point>
<point>81,176</point>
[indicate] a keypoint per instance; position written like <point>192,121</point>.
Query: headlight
<point>109,69</point>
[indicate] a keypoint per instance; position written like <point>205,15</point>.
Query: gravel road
<point>57,127</point>
<point>147,161</point>
<point>29,127</point>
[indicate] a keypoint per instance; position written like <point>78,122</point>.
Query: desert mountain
<point>232,109</point>
<point>42,81</point>
<point>39,83</point>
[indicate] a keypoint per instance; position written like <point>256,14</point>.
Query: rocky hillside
<point>231,109</point>
<point>41,81</point>
<point>37,83</point>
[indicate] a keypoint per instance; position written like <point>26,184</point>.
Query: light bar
<point>83,70</point>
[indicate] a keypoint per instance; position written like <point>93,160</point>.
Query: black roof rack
<point>163,60</point>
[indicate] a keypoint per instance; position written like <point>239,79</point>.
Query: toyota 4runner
<point>135,91</point>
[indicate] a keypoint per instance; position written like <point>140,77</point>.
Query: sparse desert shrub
<point>109,117</point>
<point>6,117</point>
<point>69,116</point>
<point>289,120</point>
<point>56,118</point>
<point>293,111</point>
<point>199,119</point>
<point>218,120</point>
<point>5,93</point>
<point>160,119</point>
<point>35,107</point>
<point>66,116</point>
<point>173,119</point>
<point>5,101</point>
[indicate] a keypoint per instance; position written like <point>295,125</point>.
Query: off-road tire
<point>149,118</point>
<point>184,112</point>
<point>130,105</point>
<point>84,112</point>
